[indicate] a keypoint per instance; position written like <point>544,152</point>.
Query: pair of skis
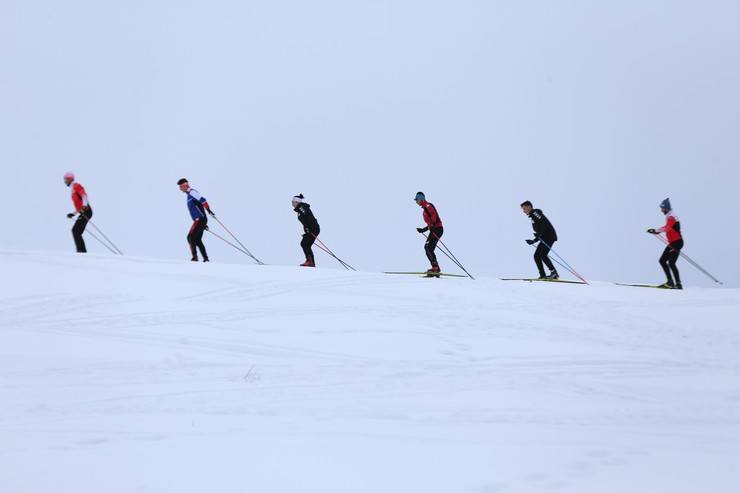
<point>659,286</point>
<point>426,274</point>
<point>538,279</point>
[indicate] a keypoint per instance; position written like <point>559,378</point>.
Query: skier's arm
<point>202,200</point>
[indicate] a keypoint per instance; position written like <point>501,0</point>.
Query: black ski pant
<point>541,256</point>
<point>668,261</point>
<point>307,242</point>
<point>434,235</point>
<point>79,228</point>
<point>195,238</point>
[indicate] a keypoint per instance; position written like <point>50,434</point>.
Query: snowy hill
<point>125,374</point>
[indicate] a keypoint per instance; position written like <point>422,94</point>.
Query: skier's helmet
<point>420,196</point>
<point>666,204</point>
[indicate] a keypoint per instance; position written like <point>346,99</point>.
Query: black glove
<point>211,212</point>
<point>531,242</point>
<point>70,215</point>
<point>652,231</point>
<point>422,230</point>
<point>206,228</point>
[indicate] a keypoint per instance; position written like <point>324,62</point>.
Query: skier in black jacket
<point>311,228</point>
<point>545,235</point>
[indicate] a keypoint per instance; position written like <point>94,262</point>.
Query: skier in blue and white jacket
<point>197,206</point>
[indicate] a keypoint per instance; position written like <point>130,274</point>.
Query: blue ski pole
<point>567,265</point>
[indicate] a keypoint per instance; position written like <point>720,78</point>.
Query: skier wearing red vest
<point>83,211</point>
<point>434,226</point>
<point>672,230</point>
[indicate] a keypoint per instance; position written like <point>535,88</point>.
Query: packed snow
<point>135,374</point>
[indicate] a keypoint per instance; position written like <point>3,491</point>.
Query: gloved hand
<point>71,215</point>
<point>652,231</point>
<point>211,212</point>
<point>531,242</point>
<point>422,230</point>
<point>206,227</point>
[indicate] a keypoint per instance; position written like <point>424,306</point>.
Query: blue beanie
<point>666,204</point>
<point>420,196</point>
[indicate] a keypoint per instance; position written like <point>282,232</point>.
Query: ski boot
<point>308,263</point>
<point>194,259</point>
<point>678,286</point>
<point>434,271</point>
<point>206,259</point>
<point>554,276</point>
<point>667,285</point>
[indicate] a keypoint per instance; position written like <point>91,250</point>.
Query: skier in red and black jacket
<point>672,230</point>
<point>83,211</point>
<point>435,228</point>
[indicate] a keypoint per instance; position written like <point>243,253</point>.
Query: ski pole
<point>446,253</point>
<point>330,254</point>
<point>246,250</point>
<point>453,256</point>
<point>567,265</point>
<point>446,250</point>
<point>117,250</point>
<point>690,260</point>
<point>327,250</point>
<point>242,249</point>
<point>227,242</point>
<point>102,242</point>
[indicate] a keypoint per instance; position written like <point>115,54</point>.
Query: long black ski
<point>643,286</point>
<point>424,274</point>
<point>534,279</point>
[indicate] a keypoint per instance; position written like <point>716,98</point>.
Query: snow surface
<point>133,374</point>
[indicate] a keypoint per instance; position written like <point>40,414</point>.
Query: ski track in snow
<point>125,374</point>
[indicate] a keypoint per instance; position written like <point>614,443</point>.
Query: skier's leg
<point>192,242</point>
<point>429,248</point>
<point>306,243</point>
<point>539,253</point>
<point>664,263</point>
<point>199,232</point>
<point>77,230</point>
<point>673,259</point>
<point>546,256</point>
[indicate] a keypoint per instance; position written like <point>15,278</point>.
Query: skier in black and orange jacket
<point>435,228</point>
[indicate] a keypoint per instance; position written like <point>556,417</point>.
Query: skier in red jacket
<point>435,228</point>
<point>672,230</point>
<point>83,211</point>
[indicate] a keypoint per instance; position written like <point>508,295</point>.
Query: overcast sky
<point>595,111</point>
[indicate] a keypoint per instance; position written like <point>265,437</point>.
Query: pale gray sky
<point>595,111</point>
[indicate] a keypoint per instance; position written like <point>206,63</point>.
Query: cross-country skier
<point>545,235</point>
<point>435,228</point>
<point>311,228</point>
<point>83,211</point>
<point>197,206</point>
<point>672,230</point>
